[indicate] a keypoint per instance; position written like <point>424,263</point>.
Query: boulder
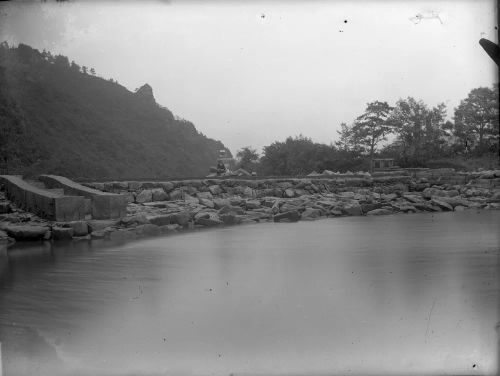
<point>167,186</point>
<point>100,224</point>
<point>134,220</point>
<point>443,205</point>
<point>209,221</point>
<point>311,213</point>
<point>62,233</point>
<point>232,209</point>
<point>191,199</point>
<point>160,220</point>
<point>249,192</point>
<point>176,195</point>
<point>235,200</point>
<point>26,232</point>
<point>182,218</point>
<point>404,207</point>
<point>159,194</point>
<point>205,195</point>
<point>132,186</point>
<point>428,193</point>
<point>455,201</point>
<point>207,202</point>
<point>145,195</point>
<point>230,219</point>
<point>290,216</point>
<point>369,207</point>
<point>413,198</point>
<point>379,212</point>
<point>289,193</point>
<point>220,202</point>
<point>252,204</point>
<point>352,209</point>
<point>5,208</point>
<point>80,228</point>
<point>215,189</point>
<point>287,206</point>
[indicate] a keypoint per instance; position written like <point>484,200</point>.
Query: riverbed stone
<point>209,220</point>
<point>352,209</point>
<point>176,195</point>
<point>167,186</point>
<point>158,194</point>
<point>80,228</point>
<point>230,218</point>
<point>134,220</point>
<point>191,199</point>
<point>249,192</point>
<point>380,211</point>
<point>206,202</point>
<point>145,195</point>
<point>215,189</point>
<point>231,209</point>
<point>181,218</point>
<point>443,205</point>
<point>220,202</point>
<point>26,232</point>
<point>252,204</point>
<point>310,213</point>
<point>4,208</point>
<point>100,224</point>
<point>62,233</point>
<point>290,216</point>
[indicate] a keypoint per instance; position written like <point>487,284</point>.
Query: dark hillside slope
<point>56,119</point>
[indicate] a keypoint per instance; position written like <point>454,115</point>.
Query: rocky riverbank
<point>156,208</point>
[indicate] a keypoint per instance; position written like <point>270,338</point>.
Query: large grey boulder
<point>145,195</point>
<point>290,216</point>
<point>158,194</point>
<point>352,209</point>
<point>380,211</point>
<point>26,232</point>
<point>62,233</point>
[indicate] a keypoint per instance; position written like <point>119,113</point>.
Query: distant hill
<point>59,118</point>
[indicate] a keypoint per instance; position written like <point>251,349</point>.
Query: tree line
<point>411,132</point>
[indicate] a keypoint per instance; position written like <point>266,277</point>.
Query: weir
<point>103,205</point>
<point>43,202</point>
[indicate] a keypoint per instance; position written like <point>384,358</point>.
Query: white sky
<point>251,73</point>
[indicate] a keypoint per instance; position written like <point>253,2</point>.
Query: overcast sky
<point>251,73</point>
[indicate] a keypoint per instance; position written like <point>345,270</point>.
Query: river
<point>416,293</point>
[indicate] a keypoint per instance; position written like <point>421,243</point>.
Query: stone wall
<point>103,205</point>
<point>47,204</point>
<point>142,192</point>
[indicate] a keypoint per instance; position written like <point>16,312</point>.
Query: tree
<point>476,119</point>
<point>345,141</point>
<point>247,158</point>
<point>92,71</point>
<point>372,127</point>
<point>84,69</point>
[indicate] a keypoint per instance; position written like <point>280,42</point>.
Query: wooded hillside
<point>59,118</point>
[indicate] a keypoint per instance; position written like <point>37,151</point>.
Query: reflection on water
<point>404,294</point>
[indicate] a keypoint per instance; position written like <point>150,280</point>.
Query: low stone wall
<point>47,204</point>
<point>142,192</point>
<point>103,205</point>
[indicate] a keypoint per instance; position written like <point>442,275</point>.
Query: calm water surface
<point>394,294</point>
